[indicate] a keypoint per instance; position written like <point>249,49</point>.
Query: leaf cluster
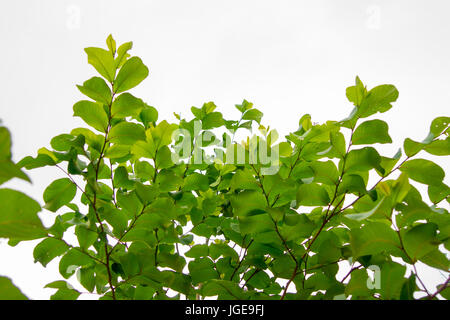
<point>153,221</point>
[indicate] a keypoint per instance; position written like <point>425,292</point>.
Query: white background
<point>287,57</point>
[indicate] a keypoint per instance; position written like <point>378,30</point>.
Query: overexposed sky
<point>287,57</point>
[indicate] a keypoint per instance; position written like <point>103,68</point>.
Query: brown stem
<point>442,288</point>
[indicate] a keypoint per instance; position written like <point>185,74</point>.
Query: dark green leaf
<point>8,291</point>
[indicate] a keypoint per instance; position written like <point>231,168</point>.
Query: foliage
<point>18,212</point>
<point>180,210</point>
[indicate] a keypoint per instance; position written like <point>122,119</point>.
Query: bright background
<point>287,57</point>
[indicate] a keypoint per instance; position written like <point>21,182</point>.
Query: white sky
<point>287,57</point>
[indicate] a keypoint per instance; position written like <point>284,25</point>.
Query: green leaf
<point>86,276</point>
<point>325,172</point>
<point>121,179</point>
<point>392,280</point>
<point>41,160</point>
<point>244,179</point>
<point>148,115</point>
<point>18,218</point>
<point>126,105</point>
<point>59,193</point>
<point>439,147</point>
<point>130,75</point>
<point>363,160</point>
<point>255,223</point>
<point>312,194</point>
<point>96,89</point>
<point>378,99</point>
<point>370,132</point>
<point>197,251</point>
<point>8,291</point>
<point>122,54</point>
<point>64,142</point>
<point>212,120</point>
<point>168,180</point>
<point>92,113</point>
<point>144,170</point>
<point>439,125</point>
<point>356,93</point>
<point>253,114</point>
<point>352,183</point>
<point>126,133</point>
<point>420,240</point>
<point>65,291</point>
<point>408,288</point>
<point>111,43</point>
<point>297,226</point>
<point>201,270</point>
<point>129,202</point>
<point>357,286</point>
<point>5,143</point>
<point>9,170</point>
<point>164,158</point>
<point>436,259</point>
<point>437,193</point>
<point>117,219</point>
<point>86,237</point>
<point>196,181</point>
<point>373,238</point>
<point>423,171</point>
<point>247,201</point>
<point>72,260</point>
<point>49,249</point>
<point>244,106</point>
<point>285,149</point>
<point>162,133</point>
<point>102,61</point>
<point>412,147</point>
<point>364,215</point>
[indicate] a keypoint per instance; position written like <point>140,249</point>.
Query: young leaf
<point>130,75</point>
<point>126,105</point>
<point>96,89</point>
<point>92,113</point>
<point>253,114</point>
<point>122,54</point>
<point>102,61</point>
<point>111,43</point>
<point>378,99</point>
